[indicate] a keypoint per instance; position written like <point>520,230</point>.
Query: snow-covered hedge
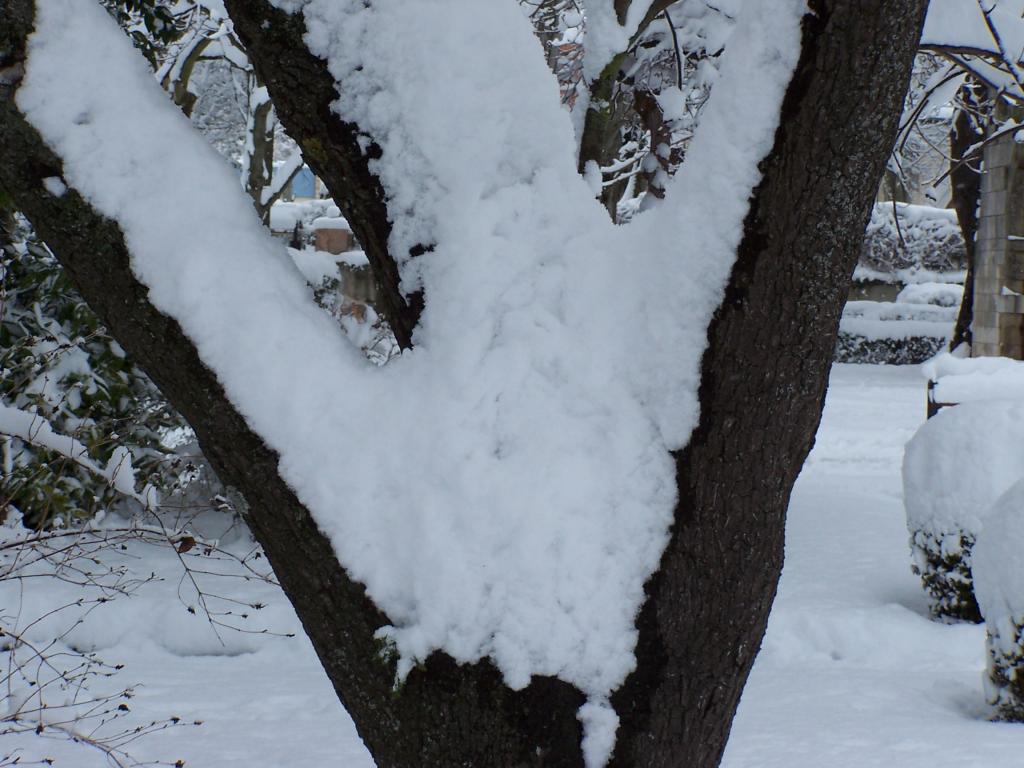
<point>954,468</point>
<point>912,238</point>
<point>910,330</point>
<point>999,586</point>
<point>285,216</point>
<point>853,348</point>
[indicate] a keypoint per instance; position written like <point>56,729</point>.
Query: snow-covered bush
<point>956,465</point>
<point>887,350</point>
<point>917,247</point>
<point>913,238</point>
<point>61,369</point>
<point>999,586</point>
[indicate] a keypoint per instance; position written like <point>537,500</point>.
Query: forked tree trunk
<point>764,376</point>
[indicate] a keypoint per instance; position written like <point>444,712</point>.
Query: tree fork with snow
<point>443,709</point>
<point>763,381</point>
<point>600,140</point>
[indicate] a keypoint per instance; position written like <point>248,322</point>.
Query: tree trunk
<point>965,182</point>
<point>763,383</point>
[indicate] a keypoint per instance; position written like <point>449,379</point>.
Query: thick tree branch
<point>763,382</point>
<point>302,91</point>
<point>442,709</point>
<point>605,118</point>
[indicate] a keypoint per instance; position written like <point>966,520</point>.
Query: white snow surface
<point>54,186</point>
<point>316,266</point>
<point>505,489</point>
<point>938,294</point>
<point>851,673</point>
<point>959,462</point>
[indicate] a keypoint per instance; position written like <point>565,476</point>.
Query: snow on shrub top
<point>896,320</point>
<point>959,462</point>
<point>939,294</point>
<point>505,489</point>
<point>959,380</point>
<point>998,562</point>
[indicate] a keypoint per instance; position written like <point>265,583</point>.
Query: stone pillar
<point>998,326</point>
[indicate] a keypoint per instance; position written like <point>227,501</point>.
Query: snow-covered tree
<point>549,533</point>
<point>954,468</point>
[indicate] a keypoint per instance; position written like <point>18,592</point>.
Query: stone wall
<point>998,326</point>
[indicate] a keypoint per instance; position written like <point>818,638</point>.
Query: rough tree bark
<point>764,376</point>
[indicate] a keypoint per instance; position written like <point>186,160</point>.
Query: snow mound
<point>998,565</point>
<point>954,468</point>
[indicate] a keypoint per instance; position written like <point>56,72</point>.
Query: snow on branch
<point>283,174</point>
<point>611,27</point>
<point>34,429</point>
<point>984,37</point>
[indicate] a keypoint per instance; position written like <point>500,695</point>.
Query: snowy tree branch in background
<point>982,37</point>
<point>211,38</point>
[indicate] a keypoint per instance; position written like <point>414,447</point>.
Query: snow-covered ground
<point>852,673</point>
